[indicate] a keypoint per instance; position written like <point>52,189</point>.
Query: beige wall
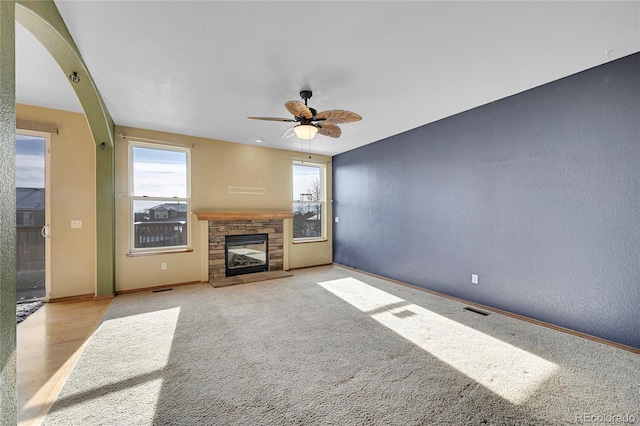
<point>72,197</point>
<point>215,166</point>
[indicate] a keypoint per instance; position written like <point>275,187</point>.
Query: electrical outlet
<point>164,266</point>
<point>474,278</point>
<point>76,224</point>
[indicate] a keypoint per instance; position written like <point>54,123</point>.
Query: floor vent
<point>477,311</point>
<point>162,289</point>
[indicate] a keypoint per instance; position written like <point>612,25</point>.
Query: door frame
<point>47,205</point>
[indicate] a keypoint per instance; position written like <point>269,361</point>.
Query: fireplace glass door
<point>246,254</point>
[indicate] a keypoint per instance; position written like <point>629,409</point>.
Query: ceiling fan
<point>312,122</point>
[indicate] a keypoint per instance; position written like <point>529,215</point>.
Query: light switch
<point>76,224</point>
<point>337,219</point>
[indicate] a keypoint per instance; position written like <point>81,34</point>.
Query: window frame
<point>171,199</point>
<point>323,202</point>
<point>46,135</point>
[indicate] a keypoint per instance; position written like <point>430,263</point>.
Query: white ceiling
<point>200,68</point>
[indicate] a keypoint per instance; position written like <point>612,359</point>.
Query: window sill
<point>153,253</point>
<point>310,240</point>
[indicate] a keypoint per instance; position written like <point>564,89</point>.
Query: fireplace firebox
<point>246,254</point>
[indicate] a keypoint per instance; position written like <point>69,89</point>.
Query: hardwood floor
<point>49,343</point>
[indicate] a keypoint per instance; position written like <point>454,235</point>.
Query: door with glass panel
<point>32,227</point>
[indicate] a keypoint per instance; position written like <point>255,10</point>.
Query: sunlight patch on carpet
<point>132,353</point>
<point>137,333</point>
<point>508,371</point>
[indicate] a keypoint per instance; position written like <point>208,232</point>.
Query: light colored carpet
<point>334,347</point>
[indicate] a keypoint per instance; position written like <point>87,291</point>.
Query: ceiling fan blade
<point>298,109</point>
<point>288,133</point>
<point>273,119</point>
<point>330,130</point>
<point>338,116</point>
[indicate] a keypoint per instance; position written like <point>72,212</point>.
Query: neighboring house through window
<point>27,218</point>
<point>309,201</point>
<point>159,178</point>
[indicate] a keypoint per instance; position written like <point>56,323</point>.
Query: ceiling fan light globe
<point>305,131</point>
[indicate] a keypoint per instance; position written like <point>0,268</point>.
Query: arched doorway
<point>43,20</point>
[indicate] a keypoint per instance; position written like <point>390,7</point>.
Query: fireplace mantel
<point>212,215</point>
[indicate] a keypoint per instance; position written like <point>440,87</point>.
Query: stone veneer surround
<point>219,228</point>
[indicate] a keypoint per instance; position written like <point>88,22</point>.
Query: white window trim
<point>133,198</point>
<point>323,202</point>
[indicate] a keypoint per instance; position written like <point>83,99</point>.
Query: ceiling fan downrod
<point>306,94</point>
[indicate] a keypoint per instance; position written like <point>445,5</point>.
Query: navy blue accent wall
<point>538,194</point>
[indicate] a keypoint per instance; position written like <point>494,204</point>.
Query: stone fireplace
<point>223,224</point>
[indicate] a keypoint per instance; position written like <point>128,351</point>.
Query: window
<point>308,201</point>
<point>27,218</point>
<point>161,214</point>
<point>159,188</point>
